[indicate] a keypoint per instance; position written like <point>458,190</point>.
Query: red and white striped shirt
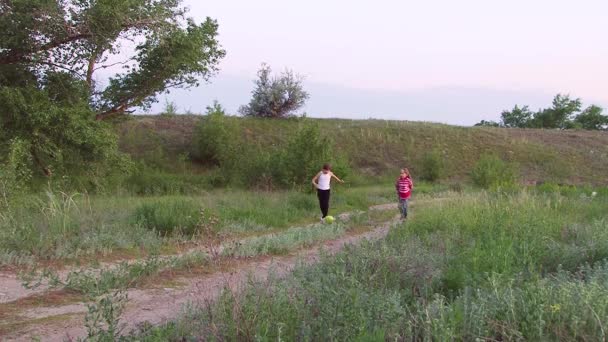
<point>404,186</point>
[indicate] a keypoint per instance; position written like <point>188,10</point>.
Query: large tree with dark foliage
<point>51,52</point>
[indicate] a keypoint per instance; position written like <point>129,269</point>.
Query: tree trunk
<point>47,172</point>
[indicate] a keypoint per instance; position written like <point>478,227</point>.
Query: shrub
<point>303,156</point>
<point>216,138</point>
<point>15,172</point>
<point>170,108</point>
<point>432,166</point>
<point>491,171</point>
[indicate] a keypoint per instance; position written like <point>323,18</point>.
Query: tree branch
<point>18,56</point>
<point>64,68</point>
<point>74,34</point>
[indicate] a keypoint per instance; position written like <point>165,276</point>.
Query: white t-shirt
<point>323,181</point>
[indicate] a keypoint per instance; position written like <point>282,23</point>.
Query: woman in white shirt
<point>322,182</point>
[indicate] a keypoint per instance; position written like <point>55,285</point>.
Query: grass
<point>97,281</point>
<point>70,228</point>
<point>519,266</point>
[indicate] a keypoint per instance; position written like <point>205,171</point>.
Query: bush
<point>215,138</point>
<point>15,172</point>
<point>170,215</point>
<point>432,166</point>
<point>303,156</point>
<point>491,171</point>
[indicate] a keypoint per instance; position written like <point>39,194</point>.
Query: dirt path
<point>159,305</point>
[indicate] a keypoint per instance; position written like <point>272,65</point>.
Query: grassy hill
<point>378,148</point>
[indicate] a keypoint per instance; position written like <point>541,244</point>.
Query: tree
<point>485,123</point>
<point>592,118</point>
<point>50,52</point>
<point>276,97</point>
<point>517,117</point>
<point>559,115</point>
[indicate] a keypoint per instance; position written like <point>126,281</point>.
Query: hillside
<point>379,147</point>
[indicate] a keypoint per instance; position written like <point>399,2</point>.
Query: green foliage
<point>215,109</point>
<point>276,97</point>
<point>59,131</point>
<point>478,266</point>
<point>491,171</point>
<point>432,166</point>
<point>303,155</point>
<point>517,117</point>
<point>15,171</point>
<point>371,149</point>
<point>558,115</point>
<point>490,123</point>
<point>169,216</point>
<point>69,226</point>
<point>103,317</point>
<point>147,181</point>
<point>172,49</point>
<point>216,138</point>
<point>563,114</point>
<point>284,242</point>
<point>220,140</point>
<point>591,118</point>
<point>49,53</point>
<point>170,108</point>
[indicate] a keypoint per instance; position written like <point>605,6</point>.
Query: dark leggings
<point>323,200</point>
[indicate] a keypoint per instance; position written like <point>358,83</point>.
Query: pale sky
<point>536,48</point>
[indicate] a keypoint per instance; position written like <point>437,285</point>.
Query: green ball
<point>329,219</point>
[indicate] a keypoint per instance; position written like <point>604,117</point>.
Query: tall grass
<point>481,266</point>
<point>70,226</point>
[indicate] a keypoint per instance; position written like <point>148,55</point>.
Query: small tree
<point>303,155</point>
<point>592,118</point>
<point>170,108</point>
<point>275,97</point>
<point>432,166</point>
<point>517,117</point>
<point>484,123</point>
<point>559,115</point>
<point>215,109</point>
<point>215,137</point>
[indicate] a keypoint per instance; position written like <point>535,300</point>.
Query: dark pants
<point>403,207</point>
<point>323,201</point>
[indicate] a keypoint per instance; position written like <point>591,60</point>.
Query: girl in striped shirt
<point>404,186</point>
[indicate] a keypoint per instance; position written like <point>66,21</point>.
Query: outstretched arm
<point>336,177</point>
